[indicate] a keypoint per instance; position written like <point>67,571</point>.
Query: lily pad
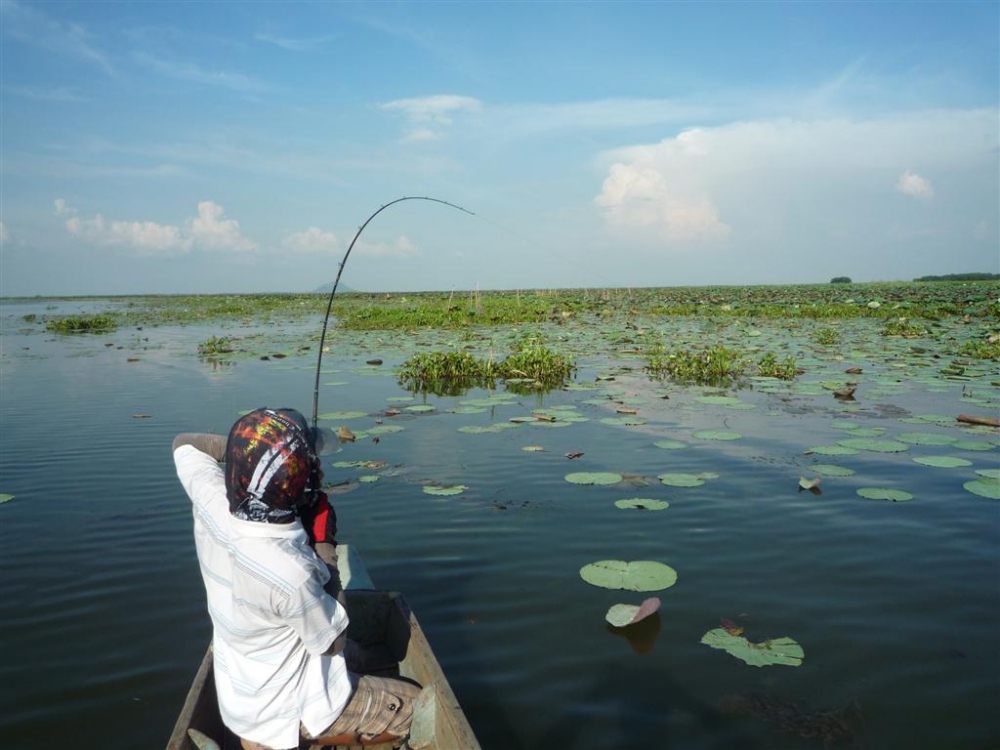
<point>638,575</point>
<point>881,493</point>
<point>369,478</point>
<point>419,408</point>
<point>989,473</point>
<point>337,415</point>
<point>984,488</point>
<point>4,497</point>
<point>455,489</point>
<point>877,446</point>
<point>716,435</point>
<point>942,462</point>
<point>675,479</point>
<point>623,615</point>
<point>593,477</point>
<point>642,503</point>
<point>925,438</point>
<point>969,445</point>
<point>774,651</point>
<point>670,445</point>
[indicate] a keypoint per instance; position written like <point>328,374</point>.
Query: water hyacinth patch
<point>783,651</point>
<point>638,575</point>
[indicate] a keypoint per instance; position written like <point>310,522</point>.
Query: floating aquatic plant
<point>774,651</point>
<point>623,615</point>
<point>942,462</point>
<point>987,487</point>
<point>641,503</point>
<point>454,489</point>
<point>593,477</point>
<point>638,575</point>
<point>881,493</point>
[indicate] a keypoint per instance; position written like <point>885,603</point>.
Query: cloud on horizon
<point>769,178</point>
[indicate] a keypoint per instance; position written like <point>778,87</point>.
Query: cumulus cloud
<point>912,184</point>
<point>312,240</point>
<point>637,196</point>
<point>208,231</point>
<point>428,116</point>
<point>786,182</point>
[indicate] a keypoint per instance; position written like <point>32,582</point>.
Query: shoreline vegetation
<point>954,319</point>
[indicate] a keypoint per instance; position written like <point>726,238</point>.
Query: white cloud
<point>293,44</point>
<point>401,248</point>
<point>912,184</point>
<point>209,230</point>
<point>786,182</point>
<point>312,240</point>
<point>4,234</point>
<point>430,115</point>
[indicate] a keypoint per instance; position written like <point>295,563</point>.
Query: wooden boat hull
<point>382,622</point>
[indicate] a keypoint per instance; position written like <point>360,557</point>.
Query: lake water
<point>895,604</point>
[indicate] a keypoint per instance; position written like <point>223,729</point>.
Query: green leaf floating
<point>4,497</point>
<point>878,446</point>
<point>623,615</point>
<point>638,575</point>
<point>880,493</point>
<point>670,445</point>
<point>594,477</point>
<point>775,651</point>
<point>455,489</point>
<point>641,503</point>
<point>337,415</point>
<point>942,462</point>
<point>716,435</point>
<point>984,488</point>
<point>675,479</point>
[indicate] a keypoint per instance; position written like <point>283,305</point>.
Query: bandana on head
<point>268,462</point>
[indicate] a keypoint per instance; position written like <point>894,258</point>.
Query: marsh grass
<point>534,366</point>
<point>100,323</point>
<point>716,365</point>
<point>216,345</point>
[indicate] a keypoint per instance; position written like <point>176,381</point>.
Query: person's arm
<point>212,445</point>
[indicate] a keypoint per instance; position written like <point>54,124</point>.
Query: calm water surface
<point>896,605</point>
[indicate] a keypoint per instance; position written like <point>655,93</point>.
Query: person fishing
<point>265,539</point>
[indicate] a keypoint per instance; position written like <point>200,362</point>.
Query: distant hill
<point>326,288</point>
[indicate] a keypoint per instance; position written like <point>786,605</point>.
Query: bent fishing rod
<point>336,281</point>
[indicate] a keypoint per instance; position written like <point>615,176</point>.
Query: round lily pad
<point>775,651</point>
<point>878,446</point>
<point>942,462</point>
<point>670,445</point>
<point>716,435</point>
<point>989,473</point>
<point>642,503</point>
<point>638,575</point>
<point>681,480</point>
<point>984,488</point>
<point>880,493</point>
<point>969,445</point>
<point>594,477</point>
<point>419,408</point>
<point>831,470</point>
<point>5,496</point>
<point>455,489</point>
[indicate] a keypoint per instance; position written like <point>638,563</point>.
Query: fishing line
<point>336,281</point>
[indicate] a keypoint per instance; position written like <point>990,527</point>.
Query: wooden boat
<point>382,623</point>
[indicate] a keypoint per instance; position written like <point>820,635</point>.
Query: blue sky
<point>169,147</point>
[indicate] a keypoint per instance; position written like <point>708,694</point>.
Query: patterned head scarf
<point>269,460</point>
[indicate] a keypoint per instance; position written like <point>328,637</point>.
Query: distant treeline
<point>961,277</point>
